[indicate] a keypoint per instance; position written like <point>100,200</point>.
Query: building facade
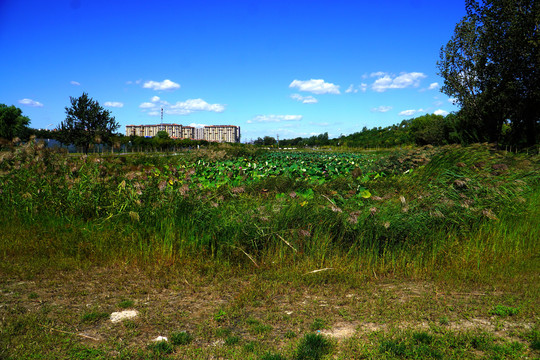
<point>215,133</point>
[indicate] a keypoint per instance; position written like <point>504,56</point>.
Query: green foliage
<point>313,347</point>
<point>87,123</point>
<point>181,338</point>
<point>272,356</point>
<point>504,311</point>
<point>318,324</point>
<point>13,123</point>
<point>124,304</point>
<point>161,347</point>
<point>495,83</point>
<point>162,134</point>
<point>94,316</point>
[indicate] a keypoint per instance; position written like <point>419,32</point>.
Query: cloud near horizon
<point>30,102</point>
<point>164,85</point>
<point>274,118</point>
<point>410,112</point>
<point>315,86</point>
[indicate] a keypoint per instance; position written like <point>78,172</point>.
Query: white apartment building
<point>216,133</point>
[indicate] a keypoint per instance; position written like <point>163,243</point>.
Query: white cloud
<point>180,108</point>
<point>192,105</point>
<point>433,86</point>
<point>197,125</point>
<point>274,118</point>
<point>30,102</point>
<point>114,104</point>
<point>441,112</point>
<point>76,83</point>
<point>381,109</point>
<point>351,89</point>
<point>316,86</point>
<point>164,85</point>
<point>363,87</point>
<point>404,80</point>
<point>410,112</point>
<point>304,99</point>
<point>147,105</point>
<point>452,100</point>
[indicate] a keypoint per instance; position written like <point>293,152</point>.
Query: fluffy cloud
<point>441,112</point>
<point>191,105</point>
<point>433,86</point>
<point>410,112</point>
<point>316,86</point>
<point>164,85</point>
<point>30,102</point>
<point>274,118</point>
<point>381,109</point>
<point>76,83</point>
<point>387,81</point>
<point>452,100</point>
<point>304,99</point>
<point>180,108</point>
<point>114,104</point>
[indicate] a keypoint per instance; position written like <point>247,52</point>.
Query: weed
<point>93,316</point>
<point>290,334</point>
<point>124,304</point>
<point>232,340</point>
<point>161,347</point>
<point>220,315</point>
<point>181,338</point>
<point>272,356</point>
<point>318,324</point>
<point>444,321</point>
<point>504,311</point>
<point>313,347</point>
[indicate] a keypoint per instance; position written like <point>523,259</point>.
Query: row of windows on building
<point>217,133</point>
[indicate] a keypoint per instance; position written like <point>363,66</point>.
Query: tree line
<point>490,67</point>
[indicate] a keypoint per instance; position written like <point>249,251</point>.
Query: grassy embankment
<point>459,218</point>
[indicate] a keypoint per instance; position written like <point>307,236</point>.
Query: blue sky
<point>288,68</point>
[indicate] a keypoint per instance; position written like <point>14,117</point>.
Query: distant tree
<point>162,134</point>
<point>12,122</point>
<point>269,140</point>
<point>87,122</point>
<point>490,66</point>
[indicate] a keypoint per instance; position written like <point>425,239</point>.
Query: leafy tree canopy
<point>87,123</point>
<point>12,122</point>
<point>490,66</point>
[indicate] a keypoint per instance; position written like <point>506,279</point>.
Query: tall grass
<point>461,212</point>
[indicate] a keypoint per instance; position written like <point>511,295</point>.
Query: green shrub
<point>313,347</point>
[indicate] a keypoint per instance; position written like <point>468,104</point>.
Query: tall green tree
<point>12,122</point>
<point>87,123</point>
<point>490,66</point>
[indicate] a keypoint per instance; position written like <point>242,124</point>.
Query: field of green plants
<point>449,214</point>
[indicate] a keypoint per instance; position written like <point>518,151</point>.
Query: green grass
<point>448,216</point>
